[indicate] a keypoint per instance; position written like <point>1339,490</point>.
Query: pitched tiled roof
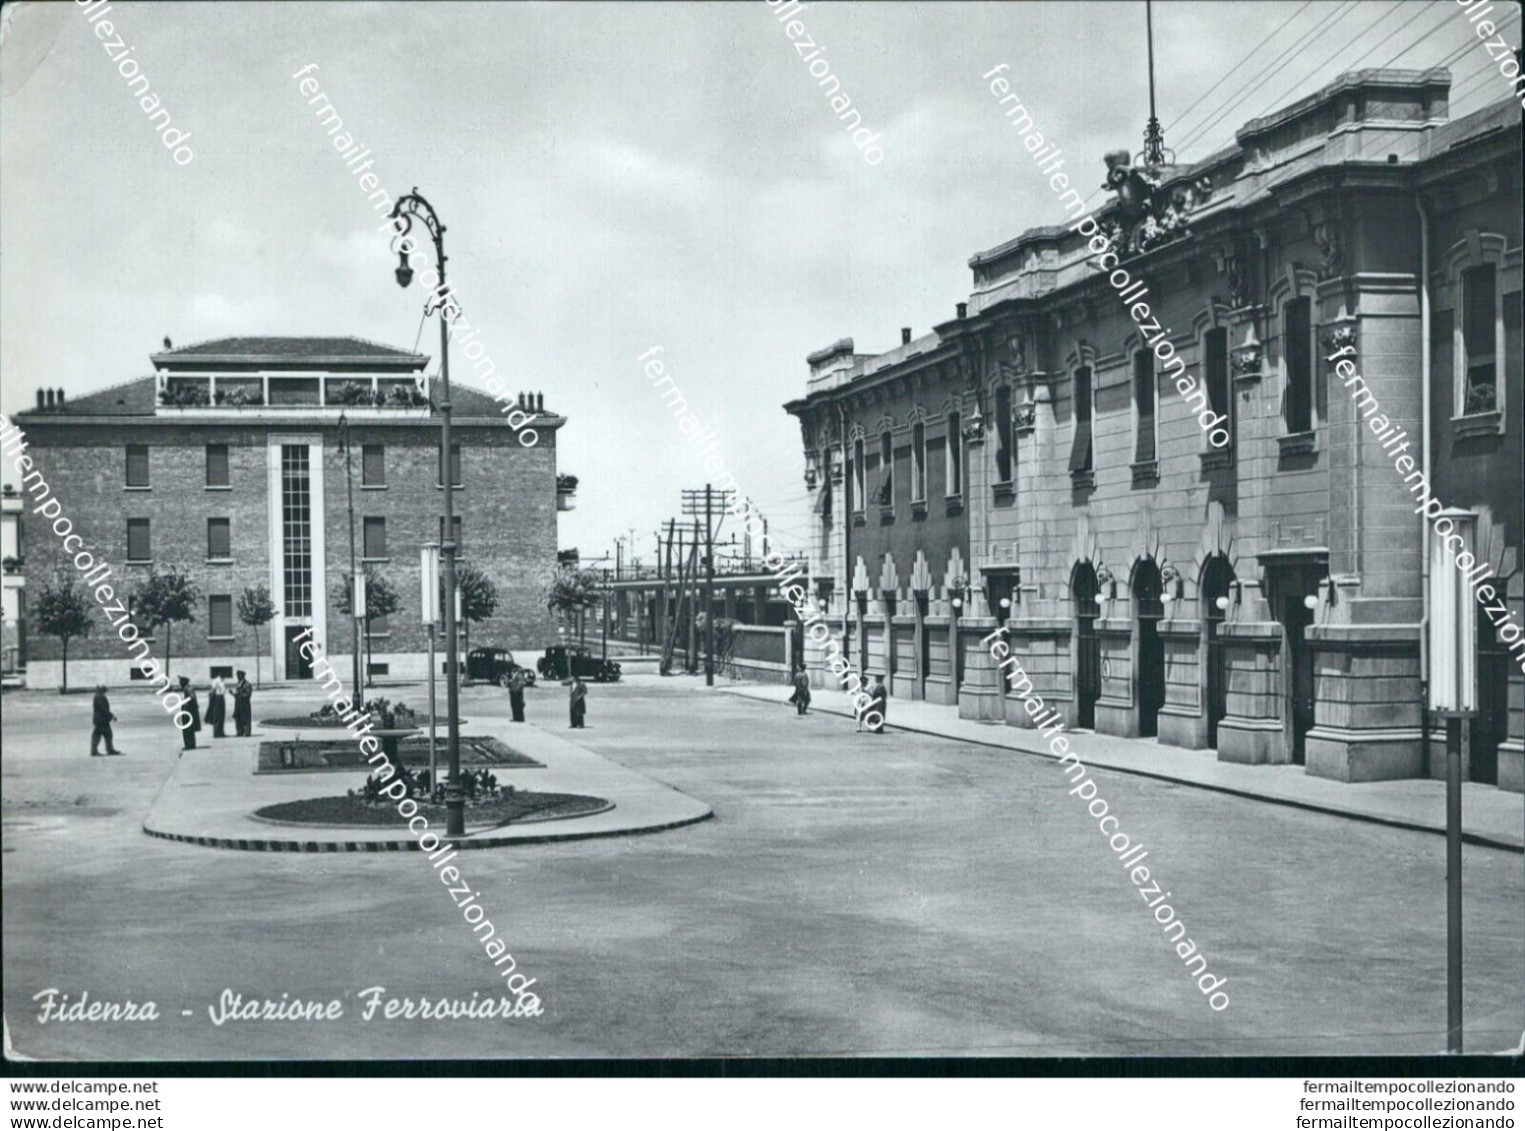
<point>130,398</point>
<point>263,346</point>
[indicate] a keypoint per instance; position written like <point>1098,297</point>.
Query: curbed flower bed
<point>387,715</point>
<point>306,755</point>
<point>503,809</point>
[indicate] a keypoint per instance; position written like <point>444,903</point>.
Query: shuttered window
<point>137,465</point>
<point>1080,451</point>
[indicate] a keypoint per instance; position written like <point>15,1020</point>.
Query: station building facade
<point>1228,562</point>
<point>229,462</point>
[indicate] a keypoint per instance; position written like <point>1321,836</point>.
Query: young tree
<point>63,611</point>
<point>479,597</point>
<point>381,600</point>
<point>573,591</point>
<point>255,608</point>
<point>166,598</point>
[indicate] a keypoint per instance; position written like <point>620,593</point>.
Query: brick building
<point>1262,599</point>
<point>227,462</point>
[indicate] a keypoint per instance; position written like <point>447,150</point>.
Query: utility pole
<point>691,506</point>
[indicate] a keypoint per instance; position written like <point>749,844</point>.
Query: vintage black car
<point>563,662</point>
<point>495,665</point>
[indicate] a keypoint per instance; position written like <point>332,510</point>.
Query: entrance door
<point>1295,620</point>
<point>1083,589</point>
<point>1490,726</point>
<point>297,665</point>
<point>1151,649</point>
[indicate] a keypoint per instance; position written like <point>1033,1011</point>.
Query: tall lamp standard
<point>354,608</point>
<point>403,214</point>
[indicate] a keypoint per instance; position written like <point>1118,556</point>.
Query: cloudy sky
<point>613,176</point>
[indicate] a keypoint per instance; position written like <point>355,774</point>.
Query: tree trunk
<point>64,690</point>
<point>169,640</point>
<point>256,655</point>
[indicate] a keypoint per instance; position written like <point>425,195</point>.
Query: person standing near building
<point>579,702</point>
<point>103,720</point>
<point>801,696</point>
<point>217,707</point>
<point>878,705</point>
<point>516,694</point>
<point>243,706</point>
<point>191,708</point>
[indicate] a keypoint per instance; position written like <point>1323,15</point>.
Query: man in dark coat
<point>103,720</point>
<point>878,706</point>
<point>579,702</point>
<point>243,706</point>
<point>516,694</point>
<point>191,708</point>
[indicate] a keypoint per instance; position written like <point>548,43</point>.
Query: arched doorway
<point>1490,726</point>
<point>1148,609</point>
<point>1084,591</point>
<point>1217,581</point>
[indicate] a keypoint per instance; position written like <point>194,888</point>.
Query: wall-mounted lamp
<point>1310,601</point>
<point>1222,603</point>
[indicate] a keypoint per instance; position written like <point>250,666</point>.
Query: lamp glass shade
<point>429,581</point>
<point>1310,602</point>
<point>1452,640</point>
<point>404,272</point>
<point>1221,602</point>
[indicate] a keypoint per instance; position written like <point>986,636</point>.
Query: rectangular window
<point>455,526</point>
<point>296,529</point>
<point>859,476</point>
<point>1003,434</point>
<point>886,470</point>
<point>219,539</point>
<point>1080,451</point>
<point>919,462</point>
<point>137,465</point>
<point>1479,340</point>
<point>379,669</point>
<point>139,548</point>
<point>1297,359</point>
<point>455,467</point>
<point>220,618</point>
<point>1215,376</point>
<point>217,466</point>
<point>374,544</point>
<point>1143,406</point>
<point>373,466</point>
<point>221,671</point>
<point>953,454</point>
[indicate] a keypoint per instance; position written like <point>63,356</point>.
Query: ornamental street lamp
<point>403,214</point>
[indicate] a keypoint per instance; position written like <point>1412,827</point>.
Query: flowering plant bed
<point>302,755</point>
<point>383,711</point>
<point>500,810</point>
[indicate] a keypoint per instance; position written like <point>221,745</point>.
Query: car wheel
<point>503,682</point>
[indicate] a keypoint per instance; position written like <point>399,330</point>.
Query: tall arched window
<point>859,498</point>
<point>1003,437</point>
<point>953,454</point>
<point>919,462</point>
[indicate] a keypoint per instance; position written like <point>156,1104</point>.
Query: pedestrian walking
<point>579,702</point>
<point>516,694</point>
<point>103,719</point>
<point>243,706</point>
<point>878,704</point>
<point>217,707</point>
<point>192,708</point>
<point>801,696</point>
